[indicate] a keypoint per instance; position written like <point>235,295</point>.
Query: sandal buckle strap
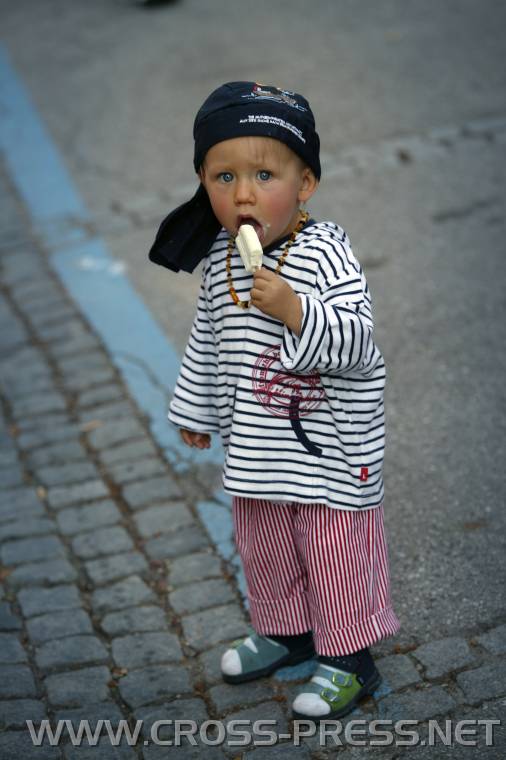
<point>342,679</point>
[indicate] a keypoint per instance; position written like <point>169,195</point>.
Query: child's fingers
<point>260,285</point>
<point>187,436</point>
<point>263,274</point>
<point>191,438</point>
<point>202,440</point>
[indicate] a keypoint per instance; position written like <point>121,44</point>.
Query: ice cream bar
<point>249,247</point>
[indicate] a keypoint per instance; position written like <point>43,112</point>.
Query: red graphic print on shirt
<point>286,394</point>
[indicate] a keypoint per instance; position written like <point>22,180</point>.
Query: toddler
<point>282,364</point>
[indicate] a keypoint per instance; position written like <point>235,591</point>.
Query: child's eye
<point>226,177</point>
<point>264,175</point>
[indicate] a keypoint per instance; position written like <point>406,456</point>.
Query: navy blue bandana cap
<point>236,109</point>
<point>246,109</point>
<point>186,234</point>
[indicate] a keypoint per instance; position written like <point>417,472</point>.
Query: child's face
<point>258,181</point>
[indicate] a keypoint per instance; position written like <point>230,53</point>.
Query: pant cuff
<point>347,640</point>
<point>280,617</point>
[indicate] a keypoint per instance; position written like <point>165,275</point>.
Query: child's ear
<point>308,185</point>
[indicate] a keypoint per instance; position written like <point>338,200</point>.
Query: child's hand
<point>191,438</point>
<point>272,295</point>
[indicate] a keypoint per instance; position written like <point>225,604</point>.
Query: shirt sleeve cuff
<point>301,353</point>
<point>186,418</point>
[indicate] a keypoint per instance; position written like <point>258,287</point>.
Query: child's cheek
<point>221,208</point>
<point>281,203</point>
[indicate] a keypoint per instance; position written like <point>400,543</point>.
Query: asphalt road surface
<point>409,99</point>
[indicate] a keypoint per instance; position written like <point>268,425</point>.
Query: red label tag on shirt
<point>364,473</point>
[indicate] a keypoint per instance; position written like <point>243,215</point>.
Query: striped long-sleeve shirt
<point>301,417</point>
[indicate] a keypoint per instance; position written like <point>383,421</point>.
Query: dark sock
<point>360,662</point>
<point>293,643</point>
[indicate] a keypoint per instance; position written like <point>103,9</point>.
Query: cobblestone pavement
<point>114,603</point>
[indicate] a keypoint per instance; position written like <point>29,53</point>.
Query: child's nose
<point>244,191</point>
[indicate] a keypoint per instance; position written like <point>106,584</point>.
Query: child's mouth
<point>259,228</point>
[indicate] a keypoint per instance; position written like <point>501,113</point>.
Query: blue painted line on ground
<point>31,157</point>
<point>297,672</point>
<point>136,344</point>
<point>217,518</point>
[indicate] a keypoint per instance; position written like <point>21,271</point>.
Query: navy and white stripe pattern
<point>230,351</point>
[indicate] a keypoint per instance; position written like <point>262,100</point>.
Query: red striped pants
<point>312,568</point>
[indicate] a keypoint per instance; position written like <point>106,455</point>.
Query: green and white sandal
<point>257,656</point>
<point>332,693</point>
